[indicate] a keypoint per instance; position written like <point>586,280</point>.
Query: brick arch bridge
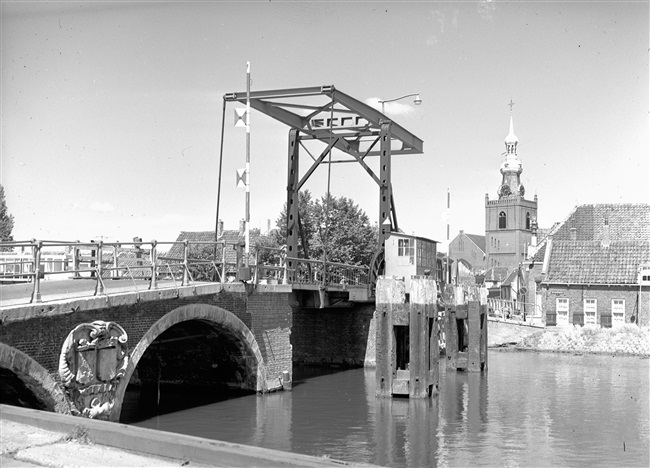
<point>225,325</point>
<point>248,336</point>
<point>251,335</point>
<point>26,382</point>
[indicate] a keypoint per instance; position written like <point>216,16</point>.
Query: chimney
<point>268,226</point>
<point>533,229</point>
<point>573,232</point>
<point>533,238</point>
<point>606,239</point>
<point>220,228</point>
<point>242,226</point>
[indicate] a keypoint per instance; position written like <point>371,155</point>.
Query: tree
<point>6,220</point>
<point>344,232</point>
<point>338,230</point>
<point>306,208</point>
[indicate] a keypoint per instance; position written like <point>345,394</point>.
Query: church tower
<point>509,219</point>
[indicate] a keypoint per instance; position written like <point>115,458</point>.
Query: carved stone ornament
<point>93,360</point>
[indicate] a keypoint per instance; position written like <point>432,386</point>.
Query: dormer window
<point>502,220</point>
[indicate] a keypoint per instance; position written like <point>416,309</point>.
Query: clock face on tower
<point>504,190</point>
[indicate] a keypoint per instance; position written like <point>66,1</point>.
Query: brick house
<point>470,248</point>
<point>588,269</point>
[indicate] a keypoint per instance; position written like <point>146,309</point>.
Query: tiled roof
<point>585,259</point>
<point>497,274</point>
<point>478,240</point>
<point>230,236</point>
<point>510,278</point>
<point>589,262</point>
<point>538,256</point>
<point>627,222</point>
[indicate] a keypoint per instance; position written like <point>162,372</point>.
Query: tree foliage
<point>335,229</point>
<point>6,220</point>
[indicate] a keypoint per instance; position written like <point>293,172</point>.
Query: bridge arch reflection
<point>196,345</point>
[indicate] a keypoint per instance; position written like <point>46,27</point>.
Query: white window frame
<point>590,309</point>
<point>562,310</point>
<point>406,250</point>
<point>618,312</point>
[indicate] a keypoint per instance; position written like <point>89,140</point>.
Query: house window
<point>618,312</point>
<point>406,248</point>
<point>590,311</point>
<point>562,310</point>
<point>528,221</point>
<point>502,220</point>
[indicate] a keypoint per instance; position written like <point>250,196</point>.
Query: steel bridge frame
<point>353,127</point>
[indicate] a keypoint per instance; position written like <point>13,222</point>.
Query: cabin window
<point>528,221</point>
<point>590,311</point>
<point>406,248</point>
<point>618,312</point>
<point>562,310</point>
<point>502,220</point>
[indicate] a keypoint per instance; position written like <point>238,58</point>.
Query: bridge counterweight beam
<point>385,186</point>
<point>293,202</point>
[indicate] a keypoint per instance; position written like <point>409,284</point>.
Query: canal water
<point>529,409</point>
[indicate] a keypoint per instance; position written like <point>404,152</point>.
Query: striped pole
<point>247,219</point>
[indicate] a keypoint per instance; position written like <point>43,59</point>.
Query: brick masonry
<point>333,336</point>
<point>637,302</point>
<point>39,333</point>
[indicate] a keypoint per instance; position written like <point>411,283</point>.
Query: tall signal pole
<point>247,218</point>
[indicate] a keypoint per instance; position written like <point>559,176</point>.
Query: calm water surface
<point>529,409</point>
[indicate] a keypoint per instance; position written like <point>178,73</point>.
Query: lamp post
<point>417,101</point>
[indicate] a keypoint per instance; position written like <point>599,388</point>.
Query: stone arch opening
<point>194,355</point>
<point>25,383</point>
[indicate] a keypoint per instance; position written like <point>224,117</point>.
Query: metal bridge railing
<point>137,261</point>
<point>139,264</point>
<point>513,310</point>
<point>328,273</point>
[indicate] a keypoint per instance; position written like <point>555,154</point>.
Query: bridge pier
<point>407,338</point>
<point>466,329</point>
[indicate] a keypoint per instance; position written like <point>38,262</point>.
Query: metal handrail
<point>87,260</point>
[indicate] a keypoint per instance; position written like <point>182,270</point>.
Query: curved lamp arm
<point>417,101</point>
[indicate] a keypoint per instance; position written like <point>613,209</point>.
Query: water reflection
<point>527,410</point>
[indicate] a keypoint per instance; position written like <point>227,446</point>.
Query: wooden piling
<point>466,330</point>
<point>418,375</point>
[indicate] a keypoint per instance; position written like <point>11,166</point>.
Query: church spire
<point>511,166</point>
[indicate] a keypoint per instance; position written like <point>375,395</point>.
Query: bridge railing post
<point>154,266</point>
<point>99,288</point>
<point>115,273</point>
<point>223,262</point>
<point>185,263</point>
<point>257,266</point>
<point>36,292</point>
<point>76,260</point>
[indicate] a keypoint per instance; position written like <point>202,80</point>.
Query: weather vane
<point>511,104</point>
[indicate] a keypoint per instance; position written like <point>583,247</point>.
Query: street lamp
<point>417,101</point>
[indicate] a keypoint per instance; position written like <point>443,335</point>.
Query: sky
<point>111,111</point>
